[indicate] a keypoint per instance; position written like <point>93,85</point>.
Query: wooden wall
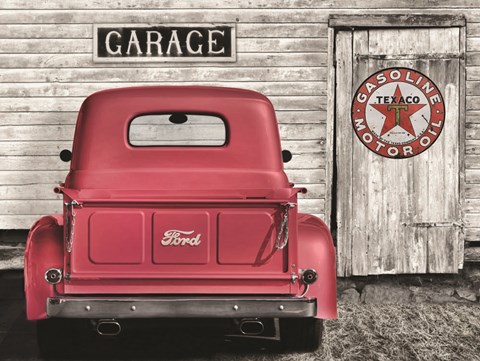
<point>46,70</point>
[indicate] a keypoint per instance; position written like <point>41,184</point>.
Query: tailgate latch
<point>282,236</point>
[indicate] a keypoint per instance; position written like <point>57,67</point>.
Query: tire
<point>55,338</point>
<point>301,334</point>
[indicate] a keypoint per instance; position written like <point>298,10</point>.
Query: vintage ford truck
<point>179,228</point>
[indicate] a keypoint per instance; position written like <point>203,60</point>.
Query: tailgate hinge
<point>70,223</point>
<point>283,231</point>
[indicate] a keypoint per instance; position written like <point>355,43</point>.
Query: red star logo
<point>398,113</point>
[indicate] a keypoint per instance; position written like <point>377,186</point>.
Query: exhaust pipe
<point>251,327</point>
<point>108,328</point>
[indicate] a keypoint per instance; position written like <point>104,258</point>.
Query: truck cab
<point>180,228</point>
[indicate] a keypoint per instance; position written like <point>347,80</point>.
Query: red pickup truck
<point>158,225</point>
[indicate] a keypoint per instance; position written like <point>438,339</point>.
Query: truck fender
<point>316,251</point>
<point>44,250</point>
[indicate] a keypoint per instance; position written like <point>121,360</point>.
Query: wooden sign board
<point>164,43</point>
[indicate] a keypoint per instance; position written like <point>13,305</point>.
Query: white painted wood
<point>360,184</point>
<point>84,31</point>
<point>343,157</point>
<point>472,254</point>
<point>80,60</point>
<point>40,191</point>
<point>462,141</point>
<point>314,206</point>
<point>237,4</point>
<point>473,58</point>
<point>44,191</point>
<point>35,206</point>
<point>26,177</point>
<point>330,144</point>
<point>473,87</point>
<point>473,44</point>
<point>472,102</point>
<point>378,225</point>
<point>43,206</point>
<point>473,73</point>
<point>472,176</point>
<point>472,205</point>
<point>60,118</point>
<point>160,75</point>
<point>85,89</point>
<point>221,14</point>
<point>282,52</point>
<point>315,191</point>
<point>46,70</point>
<point>472,219</point>
<point>234,4</point>
<point>72,104</point>
<point>69,46</point>
<point>472,234</point>
<point>39,162</point>
<point>65,132</point>
<point>443,255</point>
<point>53,148</point>
<point>21,221</point>
<point>472,117</point>
<point>29,177</point>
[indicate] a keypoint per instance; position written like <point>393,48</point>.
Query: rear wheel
<point>301,334</point>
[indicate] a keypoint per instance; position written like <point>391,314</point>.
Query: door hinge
<point>434,224</point>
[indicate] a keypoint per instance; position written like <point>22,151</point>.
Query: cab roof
<point>103,157</point>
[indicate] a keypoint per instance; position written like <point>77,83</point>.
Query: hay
<point>403,332</point>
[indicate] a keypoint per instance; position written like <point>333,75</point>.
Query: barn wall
<point>46,70</point>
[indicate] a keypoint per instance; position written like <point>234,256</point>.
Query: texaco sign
<point>398,112</point>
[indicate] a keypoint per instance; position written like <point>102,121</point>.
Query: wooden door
<point>398,215</point>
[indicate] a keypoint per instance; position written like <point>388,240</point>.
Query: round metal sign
<point>398,112</point>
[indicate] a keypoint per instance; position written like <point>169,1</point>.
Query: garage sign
<point>164,43</point>
<point>398,112</point>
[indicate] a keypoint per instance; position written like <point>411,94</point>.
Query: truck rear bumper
<point>180,307</point>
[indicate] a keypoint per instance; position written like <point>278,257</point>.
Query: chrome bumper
<point>180,307</point>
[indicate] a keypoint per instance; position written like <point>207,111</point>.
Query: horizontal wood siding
<point>472,133</point>
<point>46,69</point>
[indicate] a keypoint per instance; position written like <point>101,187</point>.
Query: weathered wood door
<point>398,215</point>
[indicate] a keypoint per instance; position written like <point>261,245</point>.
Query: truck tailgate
<point>178,245</point>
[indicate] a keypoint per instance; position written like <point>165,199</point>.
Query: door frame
<point>351,22</point>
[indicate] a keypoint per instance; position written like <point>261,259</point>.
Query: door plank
<point>344,152</point>
<point>361,176</point>
<point>443,243</point>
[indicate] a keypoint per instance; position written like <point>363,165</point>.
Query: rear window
<point>177,129</point>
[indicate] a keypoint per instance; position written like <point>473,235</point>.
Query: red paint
<point>44,251</point>
<point>179,220</point>
<point>316,251</point>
